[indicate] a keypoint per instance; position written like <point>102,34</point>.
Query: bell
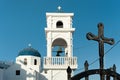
<point>59,51</point>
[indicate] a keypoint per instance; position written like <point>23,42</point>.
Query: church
<point>30,65</point>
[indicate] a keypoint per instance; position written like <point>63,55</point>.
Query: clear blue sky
<point>23,22</point>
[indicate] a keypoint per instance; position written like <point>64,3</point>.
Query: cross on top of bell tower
<point>59,8</point>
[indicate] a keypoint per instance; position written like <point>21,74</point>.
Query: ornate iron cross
<point>101,40</point>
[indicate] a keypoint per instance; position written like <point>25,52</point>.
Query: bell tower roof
<point>59,14</point>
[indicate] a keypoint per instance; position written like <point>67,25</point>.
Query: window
<point>35,62</point>
<point>45,71</point>
<point>25,61</point>
<point>59,24</point>
<point>17,72</point>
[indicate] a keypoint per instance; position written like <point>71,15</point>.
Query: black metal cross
<point>101,40</point>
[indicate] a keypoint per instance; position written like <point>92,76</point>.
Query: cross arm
<point>108,40</point>
<point>91,36</point>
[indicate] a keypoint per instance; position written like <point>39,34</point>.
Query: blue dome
<point>29,51</point>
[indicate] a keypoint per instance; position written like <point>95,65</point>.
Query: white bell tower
<point>59,33</point>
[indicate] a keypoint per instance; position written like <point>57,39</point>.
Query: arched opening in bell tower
<point>59,47</point>
<point>59,24</point>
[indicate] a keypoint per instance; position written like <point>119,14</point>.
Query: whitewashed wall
<point>1,74</point>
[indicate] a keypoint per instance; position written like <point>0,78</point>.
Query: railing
<point>60,62</point>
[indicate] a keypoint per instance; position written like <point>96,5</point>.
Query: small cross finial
<point>29,45</point>
<point>59,8</point>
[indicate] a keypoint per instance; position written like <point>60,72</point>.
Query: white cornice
<point>59,14</point>
<point>59,30</point>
